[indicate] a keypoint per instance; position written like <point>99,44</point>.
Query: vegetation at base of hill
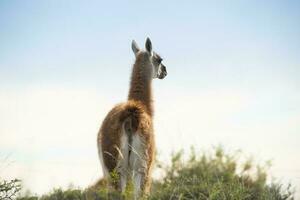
<point>207,176</point>
<point>217,176</point>
<point>9,189</point>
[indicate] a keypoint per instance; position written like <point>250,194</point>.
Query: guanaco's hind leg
<point>139,163</point>
<point>117,176</point>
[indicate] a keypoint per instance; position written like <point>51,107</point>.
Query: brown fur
<point>138,112</point>
<point>140,89</point>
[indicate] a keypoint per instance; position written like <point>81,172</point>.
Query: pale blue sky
<point>234,78</point>
<point>75,41</point>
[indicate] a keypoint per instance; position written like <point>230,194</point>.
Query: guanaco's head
<point>159,70</point>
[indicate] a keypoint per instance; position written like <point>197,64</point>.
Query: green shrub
<point>209,176</point>
<point>9,189</point>
<point>215,177</point>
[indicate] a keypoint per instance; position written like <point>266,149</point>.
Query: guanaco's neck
<point>141,82</point>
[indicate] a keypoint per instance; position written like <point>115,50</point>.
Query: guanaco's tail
<point>130,118</point>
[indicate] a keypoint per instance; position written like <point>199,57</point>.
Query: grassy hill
<point>207,176</point>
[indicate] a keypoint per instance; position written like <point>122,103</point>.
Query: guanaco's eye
<point>159,60</point>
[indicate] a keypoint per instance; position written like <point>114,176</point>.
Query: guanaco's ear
<point>148,45</point>
<point>135,47</point>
